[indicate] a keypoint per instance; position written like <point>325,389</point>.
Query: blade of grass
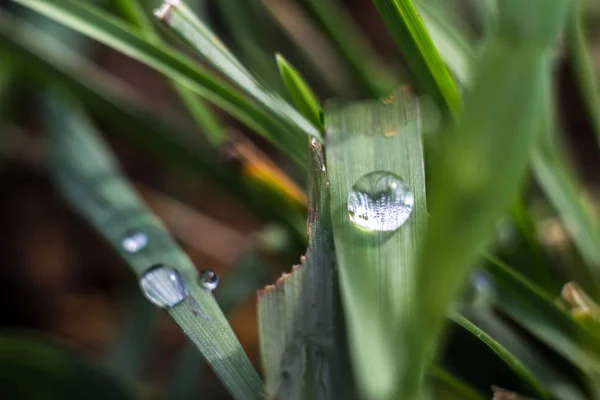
<point>418,50</point>
<point>537,312</point>
<point>33,369</point>
<point>57,65</point>
<point>468,190</point>
<point>248,275</point>
<point>451,43</point>
<point>89,178</point>
<point>102,27</point>
<point>301,327</point>
<point>583,66</point>
<point>507,356</point>
<point>209,124</point>
<point>302,95</point>
<point>181,19</point>
<point>375,268</point>
<point>369,72</point>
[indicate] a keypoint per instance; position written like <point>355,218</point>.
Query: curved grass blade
<point>214,52</point>
<point>99,26</point>
<point>301,329</point>
<point>90,179</point>
<point>507,356</point>
<point>57,65</point>
<point>303,97</point>
<point>32,369</point>
<point>451,43</point>
<point>418,50</point>
<point>537,312</point>
<point>583,66</point>
<point>375,79</point>
<point>376,268</point>
<point>207,122</point>
<point>468,190</point>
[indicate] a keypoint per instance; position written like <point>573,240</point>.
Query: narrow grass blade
<point>302,345</point>
<point>248,275</point>
<point>376,268</point>
<point>537,312</point>
<point>302,95</point>
<point>449,39</point>
<point>404,22</point>
<point>214,52</point>
<point>583,66</point>
<point>554,382</point>
<point>57,65</point>
<point>207,122</point>
<point>448,387</point>
<point>513,362</point>
<point>468,191</point>
<point>564,192</point>
<point>99,26</point>
<point>33,369</point>
<point>90,179</point>
<point>375,79</point>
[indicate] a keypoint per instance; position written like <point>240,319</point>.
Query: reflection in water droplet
<point>380,201</point>
<point>164,286</point>
<point>134,242</point>
<point>209,279</point>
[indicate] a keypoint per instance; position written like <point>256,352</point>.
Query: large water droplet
<point>134,242</point>
<point>209,279</point>
<point>164,286</point>
<point>380,201</point>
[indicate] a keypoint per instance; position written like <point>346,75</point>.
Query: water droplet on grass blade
<point>134,242</point>
<point>164,286</point>
<point>380,201</point>
<point>209,279</point>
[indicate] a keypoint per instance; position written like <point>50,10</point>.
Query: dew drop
<point>209,279</point>
<point>134,242</point>
<point>164,286</point>
<point>380,201</point>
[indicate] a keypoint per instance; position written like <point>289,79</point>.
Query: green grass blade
<point>537,312</point>
<point>303,349</point>
<point>104,96</point>
<point>507,356</point>
<point>375,269</point>
<point>102,27</point>
<point>33,369</point>
<point>564,192</point>
<point>90,179</point>
<point>214,52</point>
<point>302,95</point>
<point>248,275</point>
<point>468,190</point>
<point>207,122</point>
<point>418,50</point>
<point>450,41</point>
<point>583,66</point>
<point>374,78</point>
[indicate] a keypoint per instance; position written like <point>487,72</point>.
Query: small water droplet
<point>209,279</point>
<point>164,286</point>
<point>134,242</point>
<point>380,201</point>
